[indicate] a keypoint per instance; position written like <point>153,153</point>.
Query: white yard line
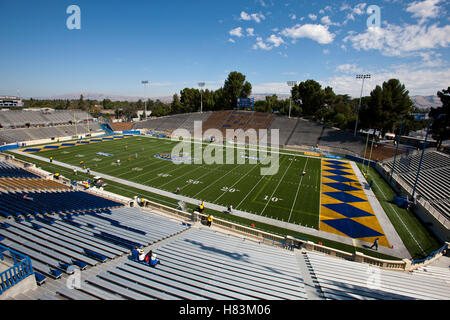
<point>276,188</point>
<point>213,183</point>
<point>235,183</point>
<point>262,177</point>
<point>178,177</point>
<point>393,209</point>
<point>247,147</point>
<point>298,189</point>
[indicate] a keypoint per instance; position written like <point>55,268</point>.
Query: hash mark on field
<point>298,188</point>
<point>236,183</point>
<point>276,188</point>
<point>178,177</point>
<point>216,181</point>
<point>262,177</point>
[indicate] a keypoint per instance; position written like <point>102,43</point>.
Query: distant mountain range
<point>421,102</point>
<point>425,102</point>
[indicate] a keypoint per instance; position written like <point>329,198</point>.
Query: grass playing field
<point>285,196</point>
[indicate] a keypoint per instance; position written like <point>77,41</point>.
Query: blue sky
<point>176,44</point>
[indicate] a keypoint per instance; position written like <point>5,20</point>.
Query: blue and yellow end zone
<point>344,207</point>
<point>74,143</point>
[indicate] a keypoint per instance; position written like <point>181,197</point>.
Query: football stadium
<point>226,194</point>
<point>80,206</point>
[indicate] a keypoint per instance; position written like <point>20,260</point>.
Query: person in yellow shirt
<point>210,219</point>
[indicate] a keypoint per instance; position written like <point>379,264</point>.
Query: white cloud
<point>290,73</point>
<point>326,20</point>
<point>400,40</point>
<point>292,16</point>
<point>348,68</point>
<point>326,51</point>
<point>417,80</point>
<point>277,41</point>
<point>237,32</point>
<point>265,4</point>
<point>313,17</point>
<point>257,17</point>
<point>357,10</point>
<point>321,11</point>
<point>250,32</point>
<point>260,44</point>
<point>316,32</point>
<point>273,42</point>
<point>272,87</point>
<point>231,40</point>
<point>424,10</point>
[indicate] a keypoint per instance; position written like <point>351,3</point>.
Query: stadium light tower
<point>291,84</point>
<point>201,85</point>
<point>363,77</point>
<point>145,83</point>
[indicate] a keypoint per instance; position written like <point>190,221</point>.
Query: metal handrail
<point>22,269</point>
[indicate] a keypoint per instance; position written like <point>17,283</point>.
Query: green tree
<point>176,106</point>
<point>236,87</point>
<point>81,103</point>
<point>387,106</point>
<point>190,99</point>
<point>440,128</point>
<point>309,96</point>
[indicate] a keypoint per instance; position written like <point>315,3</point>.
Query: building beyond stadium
<point>9,101</point>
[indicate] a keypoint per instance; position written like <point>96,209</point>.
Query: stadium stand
<point>122,126</point>
<point>28,134</point>
<point>33,203</point>
<point>285,126</point>
<point>191,263</point>
<point>347,280</point>
<point>343,140</point>
<point>305,133</point>
<point>45,117</point>
<point>383,151</point>
<point>188,124</point>
<point>11,171</point>
<point>30,184</point>
<point>439,273</point>
<point>434,176</point>
<point>82,239</point>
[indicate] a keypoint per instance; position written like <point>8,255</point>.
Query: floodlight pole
<point>201,85</point>
<point>421,159</point>
<point>396,150</point>
<point>291,84</point>
<point>363,77</point>
<point>145,82</point>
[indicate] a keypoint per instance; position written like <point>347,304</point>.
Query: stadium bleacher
<point>82,239</point>
<point>45,117</point>
<point>199,264</point>
<point>434,176</point>
<point>28,134</point>
<point>30,184</point>
<point>8,170</point>
<point>122,126</point>
<point>348,280</point>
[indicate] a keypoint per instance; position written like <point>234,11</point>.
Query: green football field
<point>285,196</point>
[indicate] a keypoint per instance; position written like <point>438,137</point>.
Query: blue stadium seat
<point>40,279</point>
<point>95,255</point>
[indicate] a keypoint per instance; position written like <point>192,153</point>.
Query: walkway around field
<point>399,249</point>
